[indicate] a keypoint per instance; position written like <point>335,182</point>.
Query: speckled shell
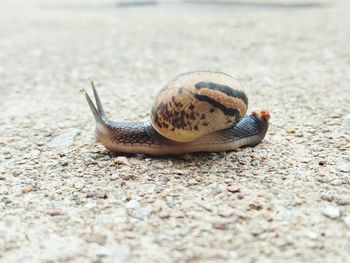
<point>198,103</point>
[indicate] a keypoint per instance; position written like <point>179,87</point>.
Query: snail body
<point>194,112</point>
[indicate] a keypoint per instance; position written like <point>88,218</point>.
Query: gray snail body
<point>194,112</point>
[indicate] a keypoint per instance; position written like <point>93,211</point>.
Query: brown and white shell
<point>198,103</point>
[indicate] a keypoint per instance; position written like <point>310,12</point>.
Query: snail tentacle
<point>97,115</point>
<point>98,100</point>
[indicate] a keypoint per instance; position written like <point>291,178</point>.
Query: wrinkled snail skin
<point>142,137</point>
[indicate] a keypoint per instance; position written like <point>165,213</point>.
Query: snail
<point>195,112</point>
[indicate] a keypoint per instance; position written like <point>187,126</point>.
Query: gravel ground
<point>65,199</point>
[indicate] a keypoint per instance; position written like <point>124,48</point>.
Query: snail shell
<point>198,103</point>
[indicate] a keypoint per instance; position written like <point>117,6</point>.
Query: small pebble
<point>164,179</point>
<point>241,173</point>
<point>220,225</point>
<point>192,181</point>
<point>170,201</point>
<point>114,176</point>
<point>132,204</point>
<point>55,213</point>
<point>8,156</point>
<point>27,189</point>
<point>233,189</point>
<point>40,143</point>
<point>77,200</point>
<point>337,182</point>
<point>206,206</point>
<point>312,235</point>
<point>178,172</point>
<point>344,167</point>
<point>334,115</point>
<point>331,212</point>
<point>16,173</point>
<point>92,194</point>
<point>121,160</point>
<point>240,196</point>
<point>343,201</point>
<point>142,213</point>
<point>164,215</point>
<point>78,185</point>
<point>305,160</point>
<point>322,162</point>
<point>225,212</point>
<point>96,238</point>
<point>327,197</point>
<point>106,158</point>
<point>255,206</point>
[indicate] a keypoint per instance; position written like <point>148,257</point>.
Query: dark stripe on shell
<point>224,89</point>
<point>215,104</point>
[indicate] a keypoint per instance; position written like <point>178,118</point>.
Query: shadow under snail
<point>195,112</point>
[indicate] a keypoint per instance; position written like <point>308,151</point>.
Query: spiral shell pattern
<point>198,103</point>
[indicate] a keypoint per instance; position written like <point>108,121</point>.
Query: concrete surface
<point>63,199</point>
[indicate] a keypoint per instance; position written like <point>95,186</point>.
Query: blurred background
<point>50,49</point>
